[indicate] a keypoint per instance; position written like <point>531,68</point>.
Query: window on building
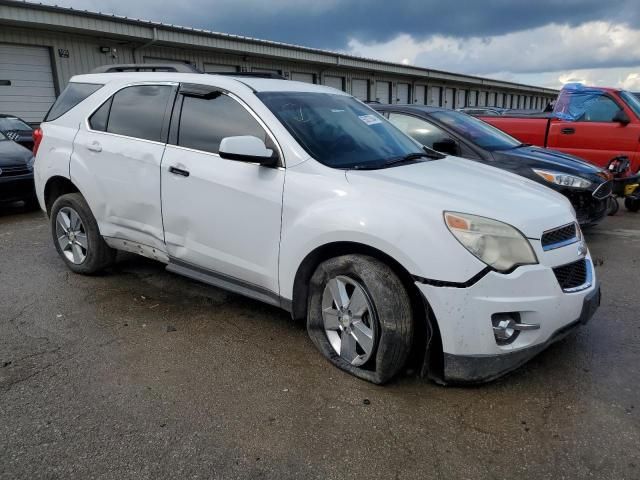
<point>204,122</point>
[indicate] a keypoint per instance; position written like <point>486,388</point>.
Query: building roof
<point>38,15</point>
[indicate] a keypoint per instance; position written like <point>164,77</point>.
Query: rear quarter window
<point>69,98</point>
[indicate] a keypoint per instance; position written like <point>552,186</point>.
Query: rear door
<point>220,216</point>
<point>595,136</point>
<point>116,158</point>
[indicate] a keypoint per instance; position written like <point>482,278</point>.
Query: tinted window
<point>98,120</point>
<point>204,122</point>
<point>633,100</point>
<point>69,98</point>
<point>476,131</point>
<point>139,111</point>
<point>12,123</point>
<point>421,130</point>
<point>338,130</point>
<point>601,109</point>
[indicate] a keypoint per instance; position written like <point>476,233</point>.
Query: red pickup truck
<point>593,123</point>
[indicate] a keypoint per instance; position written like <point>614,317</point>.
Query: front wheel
<point>360,317</point>
<point>613,206</point>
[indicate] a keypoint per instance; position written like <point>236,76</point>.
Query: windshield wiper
<point>411,157</point>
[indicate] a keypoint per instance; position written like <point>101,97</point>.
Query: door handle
<point>568,131</point>
<point>178,171</point>
<point>94,147</point>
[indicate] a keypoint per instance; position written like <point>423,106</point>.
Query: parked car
<point>16,129</point>
<point>486,111</point>
<point>593,123</point>
<point>455,133</point>
<point>16,173</point>
<point>381,245</point>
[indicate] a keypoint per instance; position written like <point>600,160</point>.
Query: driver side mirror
<point>447,146</point>
<point>622,118</point>
<point>248,149</point>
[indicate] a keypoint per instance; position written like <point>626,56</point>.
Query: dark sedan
<point>16,129</point>
<point>16,173</point>
<point>455,133</point>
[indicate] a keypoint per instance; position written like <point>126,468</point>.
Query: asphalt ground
<point>142,374</point>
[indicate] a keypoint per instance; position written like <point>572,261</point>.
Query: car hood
<point>12,153</point>
<point>456,184</point>
<point>543,158</point>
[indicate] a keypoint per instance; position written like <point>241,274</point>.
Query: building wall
<point>84,54</point>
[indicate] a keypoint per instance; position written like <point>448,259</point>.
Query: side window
<point>138,111</point>
<point>601,109</point>
<point>204,122</point>
<point>98,121</point>
<point>421,130</point>
<point>69,98</point>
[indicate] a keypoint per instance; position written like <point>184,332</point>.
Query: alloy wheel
<point>71,235</point>
<point>349,320</point>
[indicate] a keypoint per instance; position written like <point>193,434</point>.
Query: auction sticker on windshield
<point>369,119</point>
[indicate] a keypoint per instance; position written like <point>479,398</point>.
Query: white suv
<point>303,197</point>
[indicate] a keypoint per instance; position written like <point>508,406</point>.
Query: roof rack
<point>275,76</point>
<point>147,67</point>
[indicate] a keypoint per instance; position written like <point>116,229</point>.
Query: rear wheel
<point>632,203</point>
<point>76,235</point>
<point>360,317</point>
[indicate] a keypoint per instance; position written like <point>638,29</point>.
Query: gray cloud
<point>331,23</point>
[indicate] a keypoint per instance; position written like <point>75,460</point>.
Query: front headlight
<point>497,244</point>
<point>563,179</point>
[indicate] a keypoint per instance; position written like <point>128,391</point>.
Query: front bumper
<point>18,187</point>
<point>479,368</point>
<point>463,314</point>
<point>589,210</point>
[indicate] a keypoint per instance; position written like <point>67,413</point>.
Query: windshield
<point>632,101</point>
<point>338,130</point>
<point>12,123</point>
<point>477,131</point>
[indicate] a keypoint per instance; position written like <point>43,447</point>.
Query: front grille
<point>14,171</point>
<point>559,236</point>
<point>603,191</point>
<point>572,275</point>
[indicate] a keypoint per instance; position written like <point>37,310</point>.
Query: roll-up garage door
<point>266,70</point>
<point>461,98</point>
<point>360,89</point>
<point>219,68</point>
<point>26,82</point>
<point>499,99</point>
<point>448,98</point>
<point>434,97</point>
<point>419,95</point>
<point>402,90</point>
<point>472,99</point>
<point>302,77</point>
<point>383,92</point>
<point>491,102</point>
<point>334,82</point>
<point>482,99</point>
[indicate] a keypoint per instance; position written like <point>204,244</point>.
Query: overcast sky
<point>539,42</point>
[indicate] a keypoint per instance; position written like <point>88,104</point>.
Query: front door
<point>594,136</point>
<point>221,216</point>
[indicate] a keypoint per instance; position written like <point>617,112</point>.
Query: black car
<point>16,173</point>
<point>455,133</point>
<point>16,129</point>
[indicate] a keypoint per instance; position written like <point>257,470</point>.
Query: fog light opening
<point>505,328</point>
